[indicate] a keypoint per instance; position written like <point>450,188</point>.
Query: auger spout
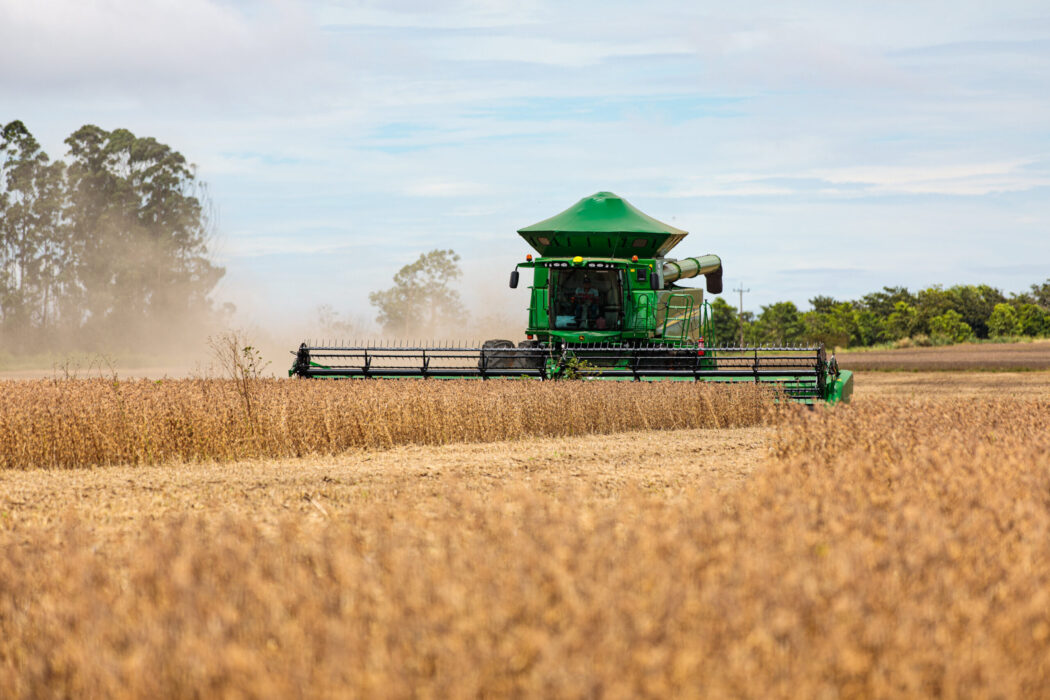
<point>690,267</point>
<point>708,265</point>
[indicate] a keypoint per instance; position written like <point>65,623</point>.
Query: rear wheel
<point>497,354</point>
<point>532,358</point>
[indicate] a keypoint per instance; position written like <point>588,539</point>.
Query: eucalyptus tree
<point>34,251</point>
<point>111,246</point>
<point>141,226</point>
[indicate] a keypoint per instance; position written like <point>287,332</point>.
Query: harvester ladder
<point>644,316</point>
<point>687,313</point>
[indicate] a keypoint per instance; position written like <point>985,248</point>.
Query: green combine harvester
<point>604,305</point>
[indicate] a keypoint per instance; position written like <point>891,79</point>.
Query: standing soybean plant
<point>244,364</point>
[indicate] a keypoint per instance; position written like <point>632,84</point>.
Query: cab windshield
<point>586,299</point>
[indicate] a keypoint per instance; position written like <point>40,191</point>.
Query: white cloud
<point>953,179</point>
<point>546,51</point>
<point>964,179</point>
<point>429,14</point>
<point>138,46</point>
<point>439,188</point>
<point>719,187</point>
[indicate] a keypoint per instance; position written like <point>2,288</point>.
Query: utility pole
<point>740,316</point>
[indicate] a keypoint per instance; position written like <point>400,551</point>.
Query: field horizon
<point>1029,355</point>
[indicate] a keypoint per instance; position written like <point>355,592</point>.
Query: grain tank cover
<point>602,225</point>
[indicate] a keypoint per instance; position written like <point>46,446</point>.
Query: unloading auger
<point>603,305</point>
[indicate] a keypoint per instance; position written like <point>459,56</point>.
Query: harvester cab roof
<point>602,225</point>
<point>604,303</point>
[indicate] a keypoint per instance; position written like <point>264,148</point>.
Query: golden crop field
<point>899,546</point>
<point>86,422</point>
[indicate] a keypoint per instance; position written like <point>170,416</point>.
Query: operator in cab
<point>587,306</point>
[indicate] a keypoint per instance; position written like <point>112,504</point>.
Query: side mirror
<point>514,279</point>
<point>714,282</point>
<point>654,281</point>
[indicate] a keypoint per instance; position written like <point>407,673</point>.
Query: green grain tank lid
<point>602,225</point>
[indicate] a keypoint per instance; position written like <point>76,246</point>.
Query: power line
<point>740,317</point>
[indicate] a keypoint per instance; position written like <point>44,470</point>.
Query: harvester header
<point>604,303</point>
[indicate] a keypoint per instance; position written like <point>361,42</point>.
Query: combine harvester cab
<point>605,305</point>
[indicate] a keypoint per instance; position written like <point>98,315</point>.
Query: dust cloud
<point>179,347</point>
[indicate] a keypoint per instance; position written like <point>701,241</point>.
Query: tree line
<point>104,248</point>
<point>423,300</point>
<point>894,315</point>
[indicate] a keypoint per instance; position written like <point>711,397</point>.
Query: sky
<point>819,148</point>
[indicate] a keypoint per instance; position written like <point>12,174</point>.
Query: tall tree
<point>975,303</point>
<point>822,304</point>
<point>1032,320</point>
<point>824,327</point>
<point>115,243</point>
<point>1041,294</point>
<point>141,228</point>
<point>1003,323</point>
<point>901,323</point>
<point>724,323</point>
<point>780,324</point>
<point>883,303</point>
<point>422,299</point>
<point>33,241</point>
<point>950,327</point>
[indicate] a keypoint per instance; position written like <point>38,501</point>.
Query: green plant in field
<point>574,367</point>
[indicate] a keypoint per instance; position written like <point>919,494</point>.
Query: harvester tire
<point>497,354</point>
<point>530,360</point>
